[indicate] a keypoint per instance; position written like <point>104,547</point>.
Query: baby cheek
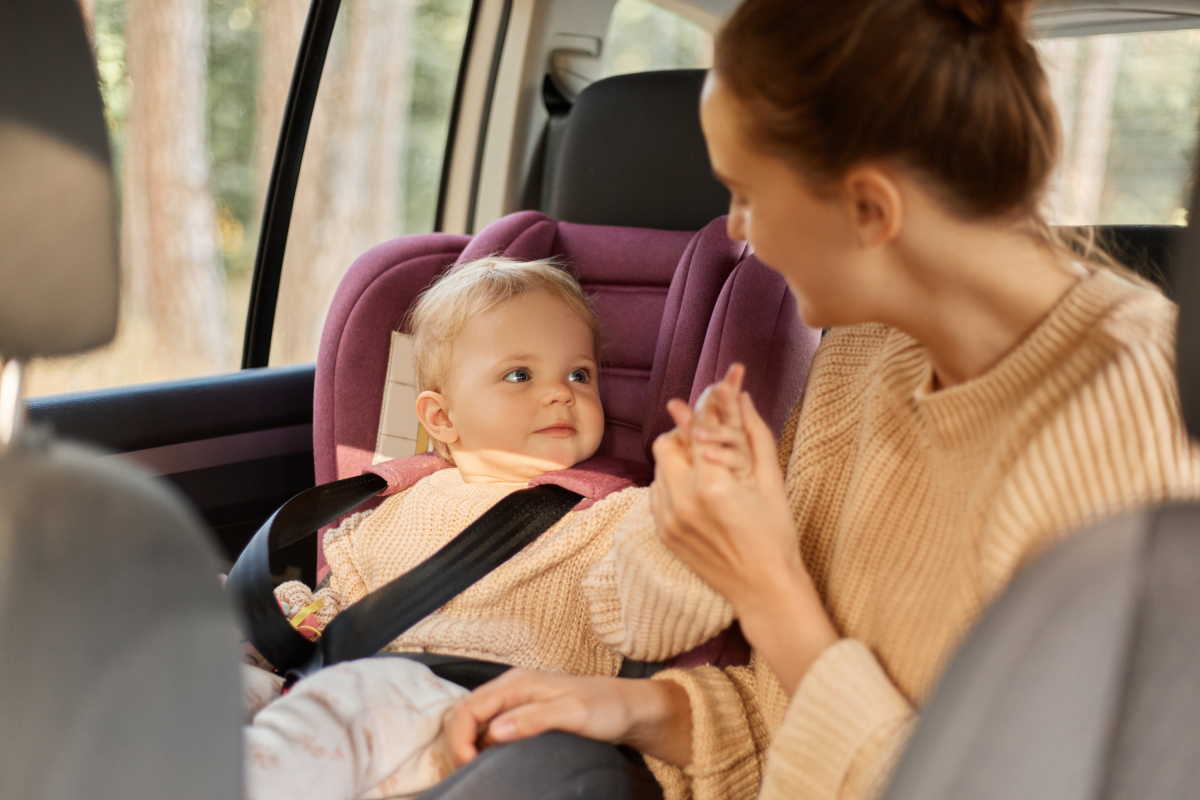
<point>595,418</point>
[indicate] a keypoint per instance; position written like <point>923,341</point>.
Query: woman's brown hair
<point>951,89</point>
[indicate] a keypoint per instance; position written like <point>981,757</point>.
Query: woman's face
<point>805,235</point>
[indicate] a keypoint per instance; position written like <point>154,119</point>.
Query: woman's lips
<point>558,431</point>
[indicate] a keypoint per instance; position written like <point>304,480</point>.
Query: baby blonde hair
<point>442,311</point>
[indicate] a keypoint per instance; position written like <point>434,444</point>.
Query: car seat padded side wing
<point>372,299</point>
<point>703,270</point>
<point>756,322</point>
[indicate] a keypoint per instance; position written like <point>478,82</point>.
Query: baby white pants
<point>362,729</point>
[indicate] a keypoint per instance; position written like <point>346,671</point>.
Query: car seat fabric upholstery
<point>677,308</point>
<point>372,299</point>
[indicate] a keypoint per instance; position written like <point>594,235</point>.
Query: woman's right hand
<point>654,717</point>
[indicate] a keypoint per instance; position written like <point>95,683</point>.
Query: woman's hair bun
<point>990,15</point>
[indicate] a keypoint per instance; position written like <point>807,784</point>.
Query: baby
<point>505,357</point>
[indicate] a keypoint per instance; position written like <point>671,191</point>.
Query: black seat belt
<point>366,627</point>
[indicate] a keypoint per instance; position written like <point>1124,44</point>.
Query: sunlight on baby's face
<point>523,392</point>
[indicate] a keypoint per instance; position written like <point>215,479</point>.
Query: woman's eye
<point>517,376</point>
<point>579,376</point>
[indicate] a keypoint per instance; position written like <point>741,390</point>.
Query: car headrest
<point>633,155</point>
<point>59,275</point>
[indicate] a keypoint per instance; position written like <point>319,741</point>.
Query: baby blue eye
<point>518,376</point>
<point>579,376</point>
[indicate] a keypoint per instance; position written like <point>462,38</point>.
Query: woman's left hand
<point>733,525</point>
<point>654,717</point>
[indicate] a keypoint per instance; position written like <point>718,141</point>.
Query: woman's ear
<point>875,203</point>
<point>433,412</point>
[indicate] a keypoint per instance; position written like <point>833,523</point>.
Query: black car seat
<point>1083,680</point>
<point>118,658</point>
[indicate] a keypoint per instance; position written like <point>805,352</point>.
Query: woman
<point>982,391</point>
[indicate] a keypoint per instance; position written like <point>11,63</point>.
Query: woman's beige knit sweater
<point>915,507</point>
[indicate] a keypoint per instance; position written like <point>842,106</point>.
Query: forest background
<point>194,92</point>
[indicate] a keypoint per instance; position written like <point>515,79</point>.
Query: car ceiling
<point>1053,18</point>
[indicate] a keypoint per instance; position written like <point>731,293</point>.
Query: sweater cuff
<point>725,762</point>
<point>844,703</point>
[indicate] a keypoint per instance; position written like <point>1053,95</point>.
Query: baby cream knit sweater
<point>915,507</point>
<point>537,610</point>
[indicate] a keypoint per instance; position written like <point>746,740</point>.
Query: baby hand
<point>718,433</point>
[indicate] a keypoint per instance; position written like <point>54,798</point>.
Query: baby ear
<point>433,414</point>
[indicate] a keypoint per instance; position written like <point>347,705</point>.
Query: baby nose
<point>560,392</point>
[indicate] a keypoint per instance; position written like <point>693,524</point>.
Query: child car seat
<point>677,307</point>
<point>118,655</point>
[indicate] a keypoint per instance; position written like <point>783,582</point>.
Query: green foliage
<point>232,117</point>
<point>643,36</point>
<point>441,27</point>
<point>109,24</point>
<point>1150,156</point>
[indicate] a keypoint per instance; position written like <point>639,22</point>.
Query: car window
<point>189,98</point>
<point>1128,104</point>
<point>643,36</point>
<point>194,95</point>
<point>372,165</point>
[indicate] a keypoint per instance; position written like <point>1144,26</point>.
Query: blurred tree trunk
<point>173,279</point>
<point>351,185</point>
<point>280,26</point>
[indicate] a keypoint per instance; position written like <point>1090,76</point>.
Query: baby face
<point>522,397</point>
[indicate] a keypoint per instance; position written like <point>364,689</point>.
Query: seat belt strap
<point>259,617</point>
<point>366,627</point>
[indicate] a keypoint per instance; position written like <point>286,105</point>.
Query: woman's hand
<point>654,717</point>
<point>726,515</point>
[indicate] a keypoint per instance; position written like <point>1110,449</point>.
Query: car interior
<point>118,505</point>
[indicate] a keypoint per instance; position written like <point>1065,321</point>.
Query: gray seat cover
<point>118,657</point>
<point>1082,681</point>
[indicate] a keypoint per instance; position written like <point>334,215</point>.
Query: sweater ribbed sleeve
<point>343,583</point>
<point>645,603</point>
<point>729,736</point>
<point>844,726</point>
